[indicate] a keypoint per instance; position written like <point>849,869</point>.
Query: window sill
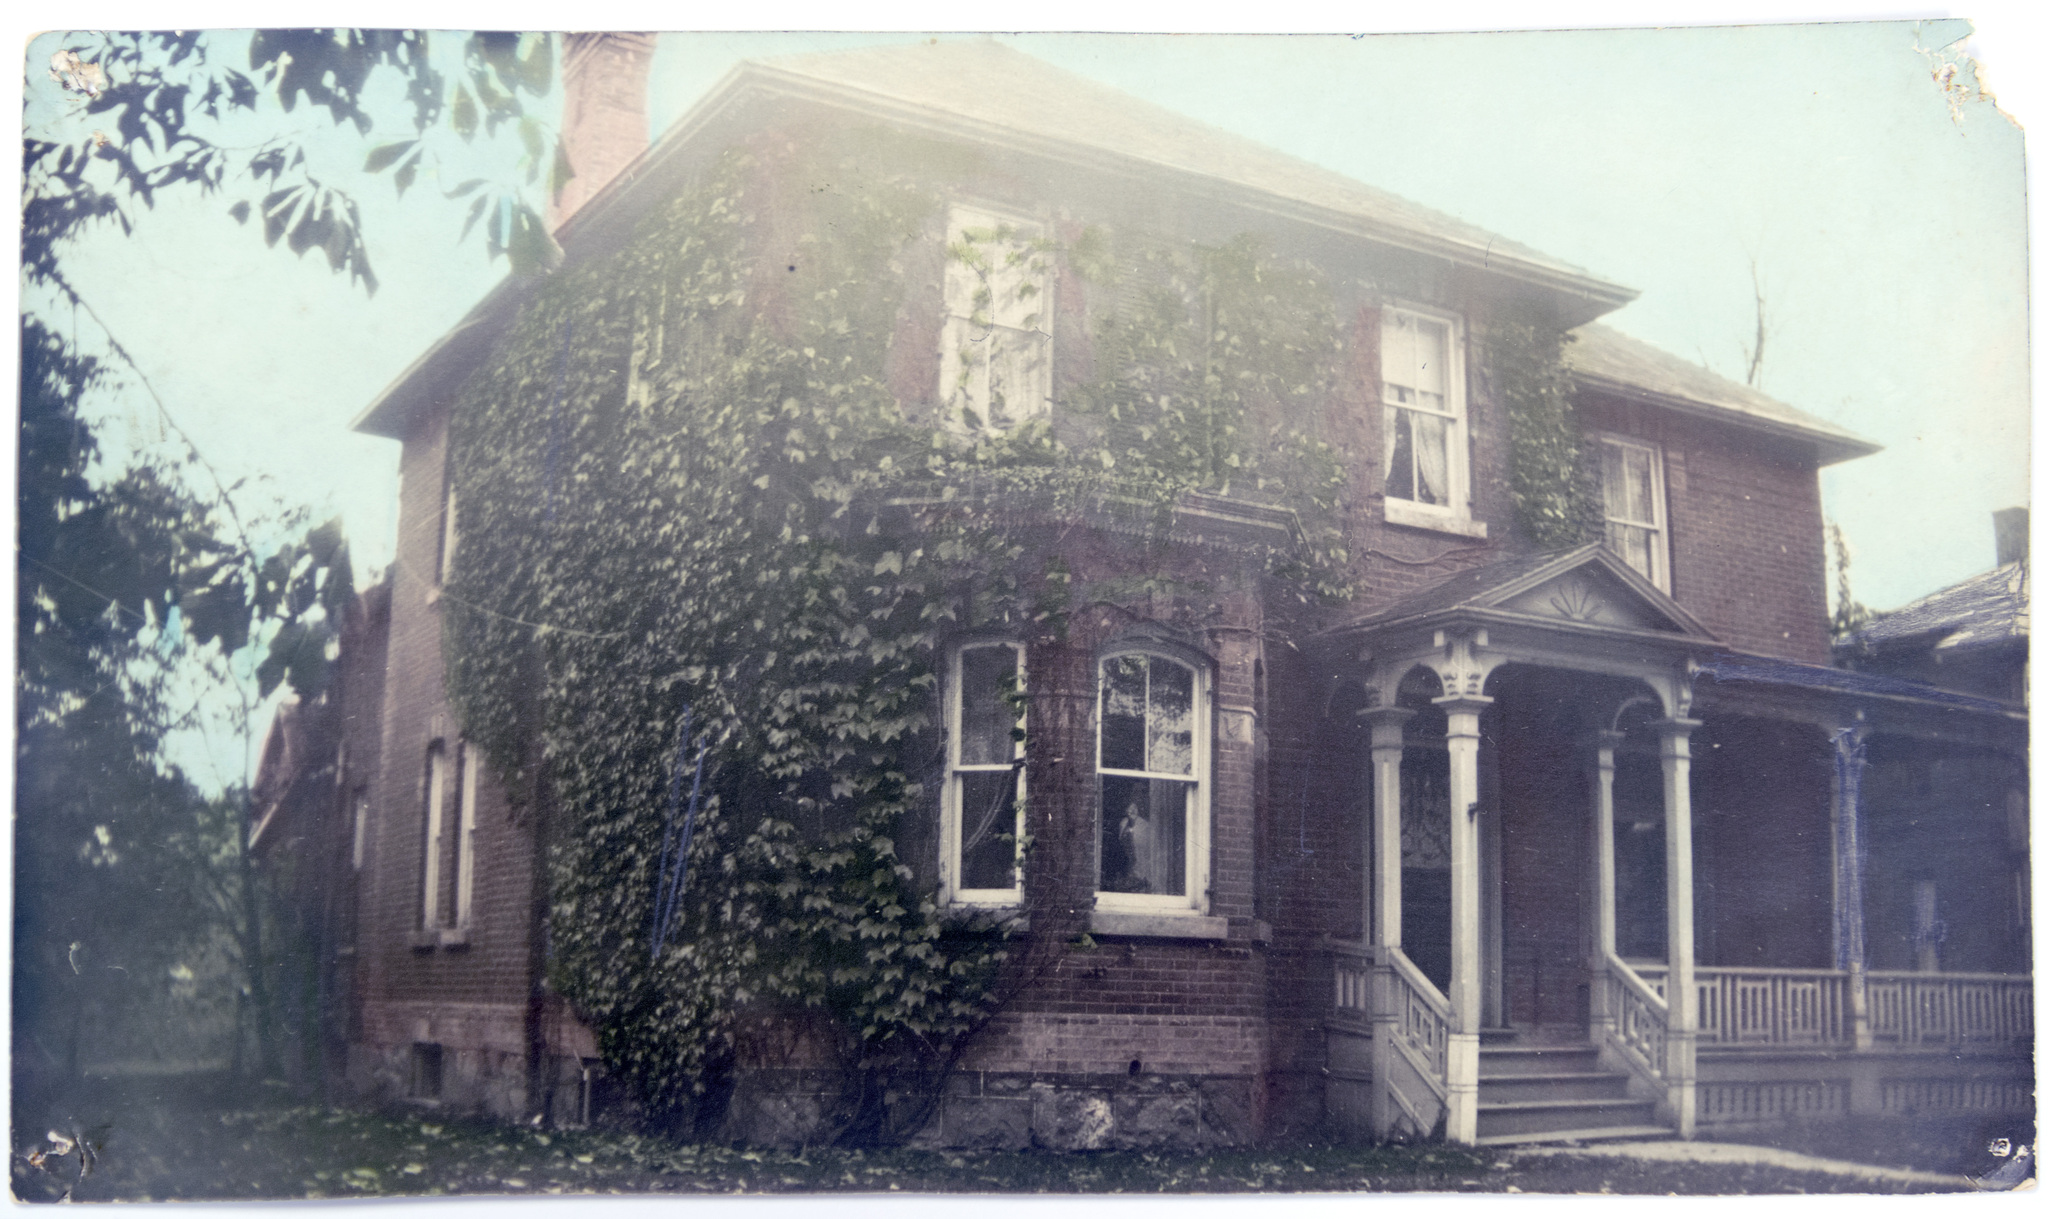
<point>425,941</point>
<point>1189,926</point>
<point>454,937</point>
<point>439,937</point>
<point>1415,516</point>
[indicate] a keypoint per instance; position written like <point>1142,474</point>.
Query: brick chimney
<point>604,112</point>
<point>2009,526</point>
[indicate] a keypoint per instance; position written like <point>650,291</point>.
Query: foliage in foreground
<point>163,1153</point>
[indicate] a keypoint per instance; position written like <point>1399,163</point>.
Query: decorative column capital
<point>1604,741</point>
<point>1463,704</point>
<point>1388,725</point>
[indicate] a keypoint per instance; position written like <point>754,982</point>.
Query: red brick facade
<point>1209,1029</point>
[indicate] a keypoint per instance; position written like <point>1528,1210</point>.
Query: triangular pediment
<point>1592,587</point>
<point>1590,596</point>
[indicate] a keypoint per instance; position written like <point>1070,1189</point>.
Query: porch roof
<point>1741,669</point>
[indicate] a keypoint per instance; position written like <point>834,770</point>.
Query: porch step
<point>1548,1117</point>
<point>1537,1059</point>
<point>1594,1135</point>
<point>1556,1093</point>
<point>1553,1085</point>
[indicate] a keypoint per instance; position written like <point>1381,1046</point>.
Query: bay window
<point>983,800</point>
<point>1151,762</point>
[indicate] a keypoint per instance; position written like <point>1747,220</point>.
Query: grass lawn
<point>186,1140</point>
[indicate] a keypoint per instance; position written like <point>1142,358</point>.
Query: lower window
<point>1151,760</point>
<point>984,795</point>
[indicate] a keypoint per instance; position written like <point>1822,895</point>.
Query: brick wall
<point>403,972</point>
<point>1746,544</point>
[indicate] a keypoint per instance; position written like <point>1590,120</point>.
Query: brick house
<point>1517,844</point>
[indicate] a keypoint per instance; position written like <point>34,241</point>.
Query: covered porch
<point>1616,883</point>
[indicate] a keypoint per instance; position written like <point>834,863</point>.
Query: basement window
<point>423,1078</point>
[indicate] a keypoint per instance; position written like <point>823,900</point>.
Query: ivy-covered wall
<point>719,520</point>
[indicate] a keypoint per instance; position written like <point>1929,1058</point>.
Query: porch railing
<point>1812,1007</point>
<point>1422,1017</point>
<point>1640,1017</point>
<point>1352,964</point>
<point>1950,1009</point>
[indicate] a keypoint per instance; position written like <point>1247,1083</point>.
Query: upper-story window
<point>1632,486</point>
<point>995,352</point>
<point>444,555</point>
<point>1422,390</point>
<point>1152,761</point>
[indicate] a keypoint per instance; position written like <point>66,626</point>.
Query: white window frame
<point>952,800</point>
<point>436,812</point>
<point>444,559</point>
<point>966,329</point>
<point>1194,900</point>
<point>1660,542</point>
<point>467,773</point>
<point>1455,516</point>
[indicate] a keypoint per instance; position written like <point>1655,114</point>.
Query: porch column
<point>1848,818</point>
<point>1461,714</point>
<point>1682,996</point>
<point>1382,926</point>
<point>1383,847</point>
<point>1604,744</point>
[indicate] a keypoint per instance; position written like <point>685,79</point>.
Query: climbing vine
<point>1553,488</point>
<point>709,563</point>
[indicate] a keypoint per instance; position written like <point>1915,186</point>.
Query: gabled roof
<point>982,91</point>
<point>983,88</point>
<point>1589,587</point>
<point>1987,609</point>
<point>1607,359</point>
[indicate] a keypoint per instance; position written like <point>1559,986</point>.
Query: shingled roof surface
<point>987,82</point>
<point>1991,608</point>
<point>1600,354</point>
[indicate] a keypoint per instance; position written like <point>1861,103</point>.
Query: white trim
<point>466,776</point>
<point>430,860</point>
<point>1194,899</point>
<point>1455,516</point>
<point>950,890</point>
<point>1660,549</point>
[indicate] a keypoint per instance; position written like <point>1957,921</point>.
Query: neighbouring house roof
<point>1604,358</point>
<point>985,92</point>
<point>1982,610</point>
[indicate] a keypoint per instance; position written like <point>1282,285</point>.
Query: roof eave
<point>1829,447</point>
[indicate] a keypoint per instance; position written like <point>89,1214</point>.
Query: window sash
<point>1151,767</point>
<point>430,862</point>
<point>465,836</point>
<point>1423,410</point>
<point>995,348</point>
<point>977,729</point>
<point>1632,494</point>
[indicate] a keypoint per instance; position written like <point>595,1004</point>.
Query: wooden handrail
<point>1418,982</point>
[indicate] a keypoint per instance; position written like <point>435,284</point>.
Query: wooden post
<point>1850,953</point>
<point>1461,735</point>
<point>1383,901</point>
<point>1681,995</point>
<point>1604,745</point>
